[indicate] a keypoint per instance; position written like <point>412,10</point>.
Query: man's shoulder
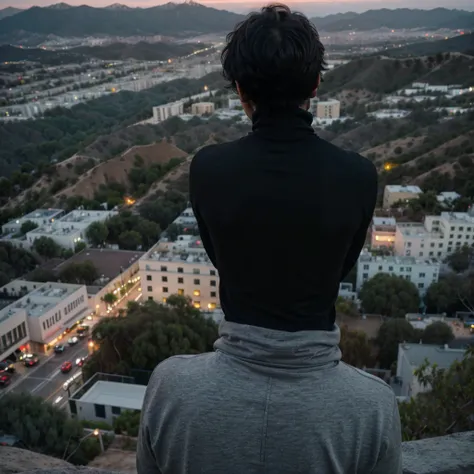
<point>367,385</point>
<point>208,155</point>
<point>346,158</point>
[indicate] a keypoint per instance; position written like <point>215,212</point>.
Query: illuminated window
<point>211,305</point>
<point>164,299</point>
<point>197,304</point>
<point>180,291</point>
<point>196,293</point>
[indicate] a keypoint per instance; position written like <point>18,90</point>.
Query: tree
<point>347,307</point>
<point>80,246</point>
<point>442,296</point>
<point>84,273</point>
<point>46,247</point>
<point>110,298</point>
<point>173,231</point>
<point>97,233</point>
<point>356,349</point>
<point>45,428</point>
<point>42,275</point>
<point>392,333</point>
<point>147,335</point>
<point>461,259</point>
<point>389,295</point>
<point>127,423</point>
<point>27,226</point>
<point>149,232</point>
<point>130,240</point>
<point>449,406</point>
<point>437,333</point>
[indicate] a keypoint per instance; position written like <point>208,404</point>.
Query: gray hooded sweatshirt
<point>268,402</point>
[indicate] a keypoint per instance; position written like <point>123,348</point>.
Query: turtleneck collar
<point>302,349</point>
<point>284,124</point>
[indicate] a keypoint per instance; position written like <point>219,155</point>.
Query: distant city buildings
<point>40,318</point>
<point>39,217</point>
<point>412,356</point>
<point>70,229</point>
<point>202,108</point>
<point>383,232</point>
<point>421,272</point>
<point>325,109</point>
<point>437,236</point>
<point>423,88</point>
<point>165,111</point>
<point>394,193</point>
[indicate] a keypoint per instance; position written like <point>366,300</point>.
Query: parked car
<point>80,361</point>
<point>59,349</point>
<point>82,331</point>
<point>7,366</point>
<point>73,340</point>
<point>30,360</point>
<point>66,367</point>
<point>5,379</point>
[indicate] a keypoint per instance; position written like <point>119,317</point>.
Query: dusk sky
<point>313,7</point>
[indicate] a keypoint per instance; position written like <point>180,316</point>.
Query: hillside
<point>400,18</point>
<point>9,11</point>
<point>458,44</point>
<point>388,75</point>
<point>10,53</point>
<point>142,51</point>
<point>184,19</point>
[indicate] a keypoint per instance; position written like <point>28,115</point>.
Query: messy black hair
<point>275,56</point>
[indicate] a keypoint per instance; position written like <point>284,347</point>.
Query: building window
<point>197,293</point>
<point>150,298</point>
<point>164,299</point>
<point>421,285</point>
<point>197,281</point>
<point>180,291</point>
<point>450,249</point>
<point>148,277</point>
<point>213,282</point>
<point>421,275</point>
<point>99,411</point>
<point>461,229</point>
<point>408,244</point>
<point>380,268</point>
<point>432,244</point>
<point>164,279</point>
<point>197,304</point>
<point>164,268</point>
<point>390,269</point>
<point>431,254</point>
<point>421,254</point>
<point>180,269</point>
<point>366,267</point>
<point>422,245</point>
<point>196,271</point>
<point>365,276</point>
<point>149,288</point>
<point>180,280</point>
<point>451,236</point>
<point>213,294</point>
<point>439,254</point>
<point>212,305</point>
<point>452,227</point>
<point>440,246</point>
<point>408,269</point>
<point>116,410</point>
<point>44,326</point>
<point>72,407</point>
<point>165,289</point>
<point>212,273</point>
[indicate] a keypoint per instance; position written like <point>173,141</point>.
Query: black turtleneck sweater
<point>283,216</point>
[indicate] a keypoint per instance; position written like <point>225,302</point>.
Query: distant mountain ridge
<point>9,11</point>
<point>191,18</point>
<point>184,19</point>
<point>400,18</point>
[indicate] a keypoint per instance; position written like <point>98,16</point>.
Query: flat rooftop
<point>116,394</point>
<point>42,214</point>
<point>417,230</point>
<point>458,217</point>
<point>37,302</point>
<point>86,216</point>
<point>395,188</point>
<point>55,231</point>
<point>367,257</point>
<point>181,256</point>
<point>109,263</point>
<point>417,353</point>
<point>387,221</point>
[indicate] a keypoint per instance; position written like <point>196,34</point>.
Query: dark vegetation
<point>14,262</point>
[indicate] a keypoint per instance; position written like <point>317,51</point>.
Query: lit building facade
<point>202,108</point>
<point>325,109</point>
<point>383,232</point>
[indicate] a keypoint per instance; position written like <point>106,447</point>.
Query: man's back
<point>283,215</point>
<point>268,402</point>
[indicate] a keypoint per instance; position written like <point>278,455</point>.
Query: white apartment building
<point>446,198</point>
<point>438,236</point>
<point>50,310</point>
<point>325,109</point>
<point>422,273</point>
<point>383,232</point>
<point>412,356</point>
<point>14,333</point>
<point>70,229</point>
<point>39,217</point>
<point>394,193</point>
<point>165,111</point>
<point>182,268</point>
<point>234,102</point>
<point>202,108</point>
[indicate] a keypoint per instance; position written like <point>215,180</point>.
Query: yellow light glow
<point>96,432</point>
<point>164,299</point>
<point>196,293</point>
<point>91,344</point>
<point>197,305</point>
